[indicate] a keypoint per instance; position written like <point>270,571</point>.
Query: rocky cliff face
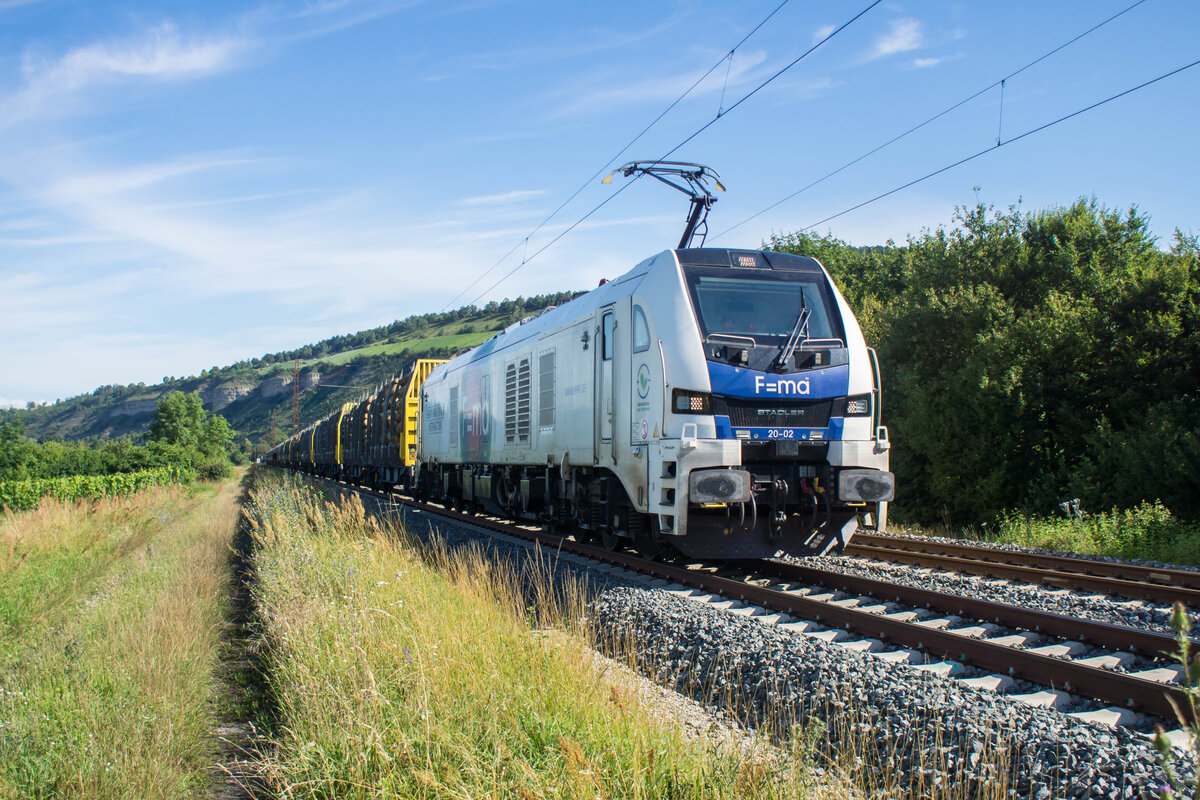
<point>247,403</point>
<point>275,387</point>
<point>217,397</point>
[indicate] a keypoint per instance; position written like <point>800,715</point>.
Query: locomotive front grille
<point>751,414</point>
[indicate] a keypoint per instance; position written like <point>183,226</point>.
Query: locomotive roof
<point>615,289</point>
<point>746,259</point>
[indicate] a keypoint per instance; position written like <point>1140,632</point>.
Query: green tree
<point>184,433</point>
<point>16,452</point>
<point>179,420</point>
<point>217,437</point>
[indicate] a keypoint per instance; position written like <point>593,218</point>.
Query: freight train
<point>713,402</point>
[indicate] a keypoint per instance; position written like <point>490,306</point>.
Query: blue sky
<point>188,184</point>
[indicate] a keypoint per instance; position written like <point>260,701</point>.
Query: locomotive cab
<point>789,383</point>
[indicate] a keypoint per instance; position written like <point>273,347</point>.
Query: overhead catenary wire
<point>720,115</point>
<point>727,57</point>
<point>770,80</point>
<point>1005,143</point>
<point>1000,82</point>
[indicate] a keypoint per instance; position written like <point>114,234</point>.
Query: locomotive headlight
<point>866,485</point>
<point>856,406</point>
<point>685,402</point>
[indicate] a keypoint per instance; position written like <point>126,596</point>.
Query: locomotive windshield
<point>760,305</point>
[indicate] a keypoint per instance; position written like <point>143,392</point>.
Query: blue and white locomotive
<point>721,403</point>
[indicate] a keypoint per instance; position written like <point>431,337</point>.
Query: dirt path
<point>246,708</point>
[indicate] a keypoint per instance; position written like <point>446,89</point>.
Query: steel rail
<point>1060,563</point>
<point>1115,688</point>
<point>1053,577</point>
<point>1101,634</point>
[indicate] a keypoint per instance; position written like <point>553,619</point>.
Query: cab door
<point>604,406</point>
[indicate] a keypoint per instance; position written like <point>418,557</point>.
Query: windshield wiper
<point>799,334</point>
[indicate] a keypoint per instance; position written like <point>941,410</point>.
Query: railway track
<point>1066,572</point>
<point>970,632</point>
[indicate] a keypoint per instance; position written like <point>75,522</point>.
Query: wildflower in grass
<point>1187,710</point>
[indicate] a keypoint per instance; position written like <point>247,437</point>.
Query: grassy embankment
<point>1148,531</point>
<point>451,340</point>
<point>406,672</point>
<point>110,617</point>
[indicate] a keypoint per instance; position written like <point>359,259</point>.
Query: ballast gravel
<point>1144,614</point>
<point>916,728</point>
<point>908,731</point>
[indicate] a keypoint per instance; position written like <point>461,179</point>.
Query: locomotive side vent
<point>546,390</point>
<point>517,385</point>
<point>453,417</point>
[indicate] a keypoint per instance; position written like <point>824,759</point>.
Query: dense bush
<point>1146,531</point>
<point>215,469</point>
<point>184,436</point>
<point>1032,357</point>
<point>21,495</point>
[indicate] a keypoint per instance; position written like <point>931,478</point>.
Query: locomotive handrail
<point>665,400</point>
<point>753,342</point>
<point>876,390</point>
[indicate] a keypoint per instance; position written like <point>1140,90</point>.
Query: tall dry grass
<point>410,672</point>
<point>111,617</point>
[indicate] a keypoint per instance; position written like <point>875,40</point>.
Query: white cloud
<point>570,46</point>
<point>623,92</point>
<point>823,31</point>
<point>515,196</point>
<point>926,63</point>
<point>903,35</point>
<point>159,54</point>
<point>791,91</point>
<point>162,54</point>
<point>325,17</point>
<point>111,182</point>
<point>6,402</point>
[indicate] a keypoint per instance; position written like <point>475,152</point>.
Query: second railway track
<point>1161,585</point>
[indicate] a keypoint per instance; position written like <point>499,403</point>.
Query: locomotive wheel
<point>648,548</point>
<point>610,540</point>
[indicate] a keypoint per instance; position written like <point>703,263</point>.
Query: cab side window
<point>641,331</point>
<point>607,332</point>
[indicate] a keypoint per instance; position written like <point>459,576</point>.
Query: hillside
<point>247,393</point>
